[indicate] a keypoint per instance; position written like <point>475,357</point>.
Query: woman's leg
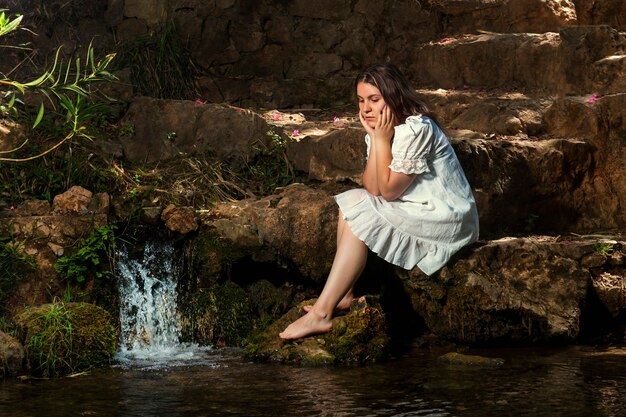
<point>346,301</point>
<point>348,264</point>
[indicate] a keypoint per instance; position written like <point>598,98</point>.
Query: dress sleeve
<point>412,143</point>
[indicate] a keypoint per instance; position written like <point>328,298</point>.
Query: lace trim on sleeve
<point>409,166</point>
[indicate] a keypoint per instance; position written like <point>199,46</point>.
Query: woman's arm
<point>390,184</point>
<point>369,174</point>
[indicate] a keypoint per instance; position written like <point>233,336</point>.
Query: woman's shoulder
<point>415,125</point>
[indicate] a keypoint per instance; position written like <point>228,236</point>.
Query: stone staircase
<point>537,121</point>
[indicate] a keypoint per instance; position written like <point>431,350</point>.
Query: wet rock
<point>356,338</point>
<point>151,215</point>
<point>11,355</point>
<point>454,358</point>
<point>180,219</point>
<point>218,316</point>
<point>61,338</point>
<point>611,290</point>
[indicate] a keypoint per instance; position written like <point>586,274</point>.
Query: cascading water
<point>150,328</point>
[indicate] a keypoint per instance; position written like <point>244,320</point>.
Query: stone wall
<point>298,52</point>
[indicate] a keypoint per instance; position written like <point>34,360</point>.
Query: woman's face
<point>371,102</point>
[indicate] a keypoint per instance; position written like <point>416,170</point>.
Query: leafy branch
<point>65,86</point>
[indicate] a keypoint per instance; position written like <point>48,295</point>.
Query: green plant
<point>603,248</point>
<point>160,65</point>
<point>92,260</point>
<point>272,168</point>
<point>66,86</point>
<point>14,265</point>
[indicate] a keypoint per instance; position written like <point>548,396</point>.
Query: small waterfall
<point>150,328</point>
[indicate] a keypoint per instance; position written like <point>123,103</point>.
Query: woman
<point>417,208</point>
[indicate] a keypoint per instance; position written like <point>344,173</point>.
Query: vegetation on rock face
<point>219,315</point>
<point>14,265</point>
<point>161,66</point>
<point>94,258</point>
<point>61,338</point>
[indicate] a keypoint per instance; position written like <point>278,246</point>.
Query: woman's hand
<point>368,129</point>
<point>385,125</point>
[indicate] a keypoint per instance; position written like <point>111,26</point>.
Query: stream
<point>574,381</point>
<point>155,375</point>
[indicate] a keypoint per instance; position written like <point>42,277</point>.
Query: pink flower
<point>296,133</point>
<point>12,207</point>
<point>445,40</point>
<point>335,119</point>
<point>239,109</point>
<point>277,117</point>
<point>593,98</point>
<point>199,101</point>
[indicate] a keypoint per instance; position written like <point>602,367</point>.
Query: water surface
<point>532,382</point>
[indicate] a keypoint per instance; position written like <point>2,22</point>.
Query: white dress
<point>434,218</point>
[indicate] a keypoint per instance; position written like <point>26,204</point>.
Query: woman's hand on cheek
<point>385,125</point>
<point>366,126</point>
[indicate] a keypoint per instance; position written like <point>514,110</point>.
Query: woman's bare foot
<point>309,324</point>
<point>343,305</point>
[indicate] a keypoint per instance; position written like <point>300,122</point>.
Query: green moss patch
<point>62,338</point>
<point>220,315</point>
<point>358,337</point>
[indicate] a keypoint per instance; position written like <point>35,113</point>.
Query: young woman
<point>417,208</point>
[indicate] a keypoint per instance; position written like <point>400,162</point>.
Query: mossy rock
<point>65,338</point>
<point>356,338</point>
<point>220,315</point>
<point>11,355</point>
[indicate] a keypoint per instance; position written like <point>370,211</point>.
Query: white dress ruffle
<point>434,218</point>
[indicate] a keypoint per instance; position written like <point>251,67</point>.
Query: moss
<point>357,338</point>
<point>234,318</point>
<point>219,315</point>
<point>66,338</point>
<point>15,267</point>
<point>268,302</point>
<point>199,317</point>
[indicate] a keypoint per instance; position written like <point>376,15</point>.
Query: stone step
<point>519,185</point>
<point>462,16</point>
<point>576,60</point>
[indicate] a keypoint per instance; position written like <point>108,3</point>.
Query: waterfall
<point>150,328</point>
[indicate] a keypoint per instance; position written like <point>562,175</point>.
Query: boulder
<point>61,338</point>
<point>519,290</point>
<point>11,355</point>
<point>75,200</point>
<point>180,219</point>
<point>356,338</point>
<point>289,226</point>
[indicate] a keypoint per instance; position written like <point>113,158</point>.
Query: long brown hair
<point>396,91</point>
